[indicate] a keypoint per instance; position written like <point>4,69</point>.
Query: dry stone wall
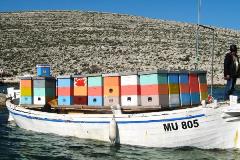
<point>91,42</point>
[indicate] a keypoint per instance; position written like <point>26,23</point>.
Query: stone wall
<point>90,42</point>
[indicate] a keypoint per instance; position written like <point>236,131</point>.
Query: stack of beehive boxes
<point>153,88</point>
<point>111,89</point>
<point>184,88</point>
<point>26,89</point>
<point>65,90</point>
<point>202,79</point>
<point>80,90</point>
<point>130,89</point>
<point>163,88</point>
<point>194,88</point>
<point>43,90</point>
<point>95,90</point>
<point>173,86</point>
<point>38,90</point>
<point>149,88</point>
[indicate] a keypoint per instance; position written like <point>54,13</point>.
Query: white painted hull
<point>200,127</point>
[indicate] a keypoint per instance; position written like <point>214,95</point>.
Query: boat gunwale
<point>82,115</point>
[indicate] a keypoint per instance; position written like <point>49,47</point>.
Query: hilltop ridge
<point>92,42</point>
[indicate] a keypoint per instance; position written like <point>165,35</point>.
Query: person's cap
<point>233,48</point>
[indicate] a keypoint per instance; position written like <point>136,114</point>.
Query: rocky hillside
<point>90,42</point>
<point>2,100</point>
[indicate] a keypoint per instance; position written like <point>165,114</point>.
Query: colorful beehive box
<point>80,90</point>
<point>203,89</point>
<point>65,90</point>
<point>26,90</point>
<point>43,70</point>
<point>194,87</point>
<point>130,89</point>
<point>111,89</point>
<point>173,87</point>
<point>149,88</point>
<point>184,88</point>
<point>95,90</point>
<point>163,88</point>
<point>43,90</point>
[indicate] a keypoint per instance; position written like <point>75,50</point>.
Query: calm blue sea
<point>17,143</point>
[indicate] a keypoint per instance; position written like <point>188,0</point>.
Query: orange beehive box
<point>111,91</point>
<point>163,89</point>
<point>26,83</point>
<point>80,85</point>
<point>80,91</point>
<point>111,81</point>
<point>203,88</point>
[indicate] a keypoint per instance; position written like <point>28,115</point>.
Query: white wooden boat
<point>206,126</point>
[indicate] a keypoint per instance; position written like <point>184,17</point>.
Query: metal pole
<point>197,39</point>
<point>212,58</point>
<point>212,62</point>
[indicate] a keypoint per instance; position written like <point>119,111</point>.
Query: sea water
<point>17,143</point>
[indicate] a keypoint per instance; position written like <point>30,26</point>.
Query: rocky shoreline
<point>2,100</point>
<point>9,80</point>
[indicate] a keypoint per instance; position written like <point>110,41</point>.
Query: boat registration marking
<point>177,125</point>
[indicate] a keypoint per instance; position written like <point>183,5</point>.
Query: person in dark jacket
<point>231,70</point>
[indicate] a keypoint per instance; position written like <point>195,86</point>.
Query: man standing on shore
<point>231,71</point>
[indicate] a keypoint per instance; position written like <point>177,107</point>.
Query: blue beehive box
<point>26,100</point>
<point>65,100</point>
<point>95,100</point>
<point>65,90</point>
<point>43,70</point>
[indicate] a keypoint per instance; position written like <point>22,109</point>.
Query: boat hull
<point>202,127</point>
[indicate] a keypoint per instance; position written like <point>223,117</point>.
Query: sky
<point>216,13</point>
